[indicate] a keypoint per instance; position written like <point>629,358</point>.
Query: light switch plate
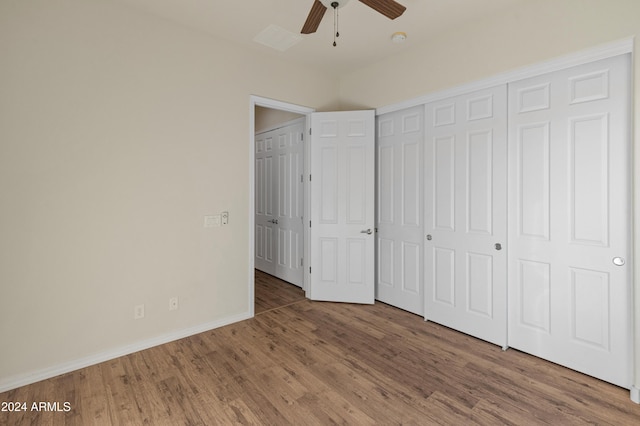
<point>211,221</point>
<point>138,312</point>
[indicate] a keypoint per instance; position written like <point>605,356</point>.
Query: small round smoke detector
<point>398,37</point>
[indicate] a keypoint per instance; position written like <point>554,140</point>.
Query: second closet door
<point>570,226</point>
<point>399,209</point>
<point>465,214</point>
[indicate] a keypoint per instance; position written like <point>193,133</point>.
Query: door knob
<point>367,231</point>
<point>498,246</point>
<point>618,261</point>
<point>429,237</point>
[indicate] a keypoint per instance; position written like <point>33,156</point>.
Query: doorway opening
<point>267,113</point>
<point>279,189</point>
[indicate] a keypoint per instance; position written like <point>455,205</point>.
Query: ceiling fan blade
<point>389,8</point>
<point>315,16</point>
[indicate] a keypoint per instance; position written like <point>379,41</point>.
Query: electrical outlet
<point>138,312</point>
<point>173,304</point>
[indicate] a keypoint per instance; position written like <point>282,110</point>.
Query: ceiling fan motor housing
<point>330,3</point>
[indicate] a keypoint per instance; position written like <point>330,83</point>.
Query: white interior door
<point>289,210</point>
<point>279,201</point>
<point>569,240</point>
<point>264,203</point>
<point>342,207</point>
<point>465,214</point>
<point>400,209</point>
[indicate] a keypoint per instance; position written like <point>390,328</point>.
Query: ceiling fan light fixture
<point>398,37</point>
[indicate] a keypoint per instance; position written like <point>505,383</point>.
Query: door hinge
<point>309,177</point>
<point>309,269</point>
<point>309,130</point>
<point>309,224</point>
<point>301,262</point>
<point>301,178</point>
<point>302,136</point>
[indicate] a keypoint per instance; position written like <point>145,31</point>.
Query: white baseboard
<point>635,394</point>
<point>17,381</point>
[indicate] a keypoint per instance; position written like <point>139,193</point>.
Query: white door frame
<point>292,272</point>
<point>255,101</point>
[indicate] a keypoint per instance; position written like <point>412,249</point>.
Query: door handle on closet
<point>274,221</point>
<point>367,231</point>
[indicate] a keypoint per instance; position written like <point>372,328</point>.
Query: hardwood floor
<point>308,363</point>
<point>272,293</point>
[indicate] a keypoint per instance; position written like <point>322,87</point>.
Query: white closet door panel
<point>480,182</point>
<point>400,139</point>
<point>570,197</point>
<point>465,214</point>
<point>588,179</point>
<point>532,164</point>
<point>444,182</point>
<point>412,184</point>
<point>264,241</point>
<point>279,202</point>
<point>385,187</point>
<point>289,203</point>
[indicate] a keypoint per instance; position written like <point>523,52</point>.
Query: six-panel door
<point>465,214</point>
<point>342,206</point>
<point>569,218</point>
<point>399,178</point>
<point>279,202</point>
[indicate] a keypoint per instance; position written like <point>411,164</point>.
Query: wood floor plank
<point>318,363</point>
<point>272,293</point>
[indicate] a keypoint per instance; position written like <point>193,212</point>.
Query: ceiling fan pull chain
<point>336,34</point>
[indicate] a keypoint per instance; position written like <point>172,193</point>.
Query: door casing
<point>255,101</point>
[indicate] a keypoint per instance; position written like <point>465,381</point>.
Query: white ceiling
<point>365,35</point>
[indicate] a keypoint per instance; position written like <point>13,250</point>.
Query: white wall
<point>118,133</point>
<point>538,31</point>
<point>268,118</point>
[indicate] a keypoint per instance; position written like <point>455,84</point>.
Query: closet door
<point>465,214</point>
<point>399,200</point>
<point>290,202</point>
<point>265,203</point>
<point>279,202</point>
<point>569,210</point>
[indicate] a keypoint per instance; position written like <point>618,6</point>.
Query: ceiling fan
<point>389,8</point>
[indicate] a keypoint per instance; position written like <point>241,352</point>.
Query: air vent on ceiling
<point>277,38</point>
